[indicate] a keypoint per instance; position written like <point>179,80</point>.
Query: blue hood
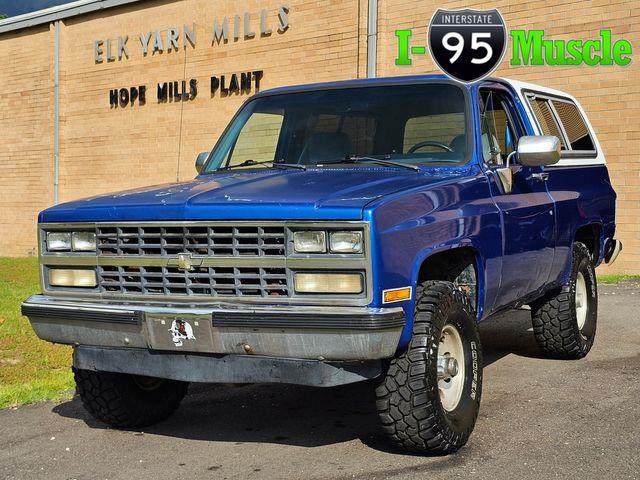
<point>315,194</point>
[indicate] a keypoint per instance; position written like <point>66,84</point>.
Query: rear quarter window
<point>576,129</point>
<point>561,117</point>
<point>548,124</point>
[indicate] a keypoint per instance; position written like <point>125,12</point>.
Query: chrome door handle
<point>541,177</point>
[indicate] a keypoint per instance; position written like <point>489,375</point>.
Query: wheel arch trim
<point>427,253</point>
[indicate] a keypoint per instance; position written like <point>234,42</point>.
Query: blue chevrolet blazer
<point>336,233</point>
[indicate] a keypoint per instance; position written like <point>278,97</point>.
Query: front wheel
<point>126,401</point>
<point>429,399</point>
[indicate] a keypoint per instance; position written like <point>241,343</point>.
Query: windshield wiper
<point>250,163</point>
<point>382,161</point>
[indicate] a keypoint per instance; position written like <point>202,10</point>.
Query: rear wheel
<point>565,321</point>
<point>428,401</point>
<point>126,401</point>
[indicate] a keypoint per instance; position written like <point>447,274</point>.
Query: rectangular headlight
<point>346,242</point>
<point>312,241</point>
<point>58,241</point>
<point>69,277</point>
<point>328,282</point>
<point>83,241</point>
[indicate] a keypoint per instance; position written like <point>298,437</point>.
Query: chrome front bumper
<point>292,332</point>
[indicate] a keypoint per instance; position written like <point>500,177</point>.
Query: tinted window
<point>546,119</point>
<point>573,123</point>
<point>417,124</point>
<point>499,136</point>
<point>258,139</point>
<point>428,133</point>
<point>360,129</point>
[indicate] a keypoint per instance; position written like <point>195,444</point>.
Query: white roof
<point>518,85</point>
<point>522,87</point>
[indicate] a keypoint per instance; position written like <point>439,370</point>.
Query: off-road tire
<point>554,317</point>
<point>119,400</point>
<point>408,399</point>
<point>450,269</point>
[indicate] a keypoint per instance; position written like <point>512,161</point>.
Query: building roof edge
<point>58,12</point>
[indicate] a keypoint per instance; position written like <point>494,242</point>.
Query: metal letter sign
<point>467,44</point>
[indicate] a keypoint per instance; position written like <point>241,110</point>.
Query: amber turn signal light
<point>396,295</point>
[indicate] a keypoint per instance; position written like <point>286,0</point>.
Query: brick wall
<point>104,149</point>
<point>26,126</point>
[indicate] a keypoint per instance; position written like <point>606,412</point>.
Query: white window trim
<point>522,88</point>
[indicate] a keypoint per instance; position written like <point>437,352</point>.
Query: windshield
<point>413,124</point>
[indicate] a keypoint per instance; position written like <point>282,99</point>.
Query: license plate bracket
<point>180,332</point>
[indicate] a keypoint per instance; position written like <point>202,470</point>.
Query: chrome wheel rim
<point>581,301</point>
<point>451,368</point>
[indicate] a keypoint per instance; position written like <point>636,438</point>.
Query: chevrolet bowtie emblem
<point>185,262</point>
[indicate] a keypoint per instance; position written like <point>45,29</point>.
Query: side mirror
<point>201,159</point>
<point>538,150</point>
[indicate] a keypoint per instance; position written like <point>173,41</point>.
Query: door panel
<point>529,234</point>
<point>528,215</point>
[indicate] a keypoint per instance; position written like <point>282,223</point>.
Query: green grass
<point>618,278</point>
<point>31,370</point>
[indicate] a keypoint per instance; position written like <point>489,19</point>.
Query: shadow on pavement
<point>297,415</point>
<point>509,333</point>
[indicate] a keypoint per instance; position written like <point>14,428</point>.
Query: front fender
<point>464,243</point>
<point>410,226</point>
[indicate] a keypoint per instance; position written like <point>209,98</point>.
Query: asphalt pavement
<point>539,419</point>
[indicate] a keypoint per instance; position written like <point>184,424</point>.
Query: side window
<point>258,139</point>
<point>499,135</point>
<point>561,117</point>
<point>444,128</point>
<point>542,110</point>
<point>577,131</point>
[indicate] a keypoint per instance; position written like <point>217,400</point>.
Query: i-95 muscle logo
<point>466,44</point>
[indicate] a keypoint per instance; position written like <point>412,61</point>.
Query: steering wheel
<point>430,143</point>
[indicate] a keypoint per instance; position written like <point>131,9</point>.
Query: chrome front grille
<point>194,241</point>
<point>202,281</point>
<point>201,261</point>
<point>212,241</point>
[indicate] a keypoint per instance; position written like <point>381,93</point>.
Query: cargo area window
<point>574,126</point>
<point>561,117</point>
<point>546,120</point>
